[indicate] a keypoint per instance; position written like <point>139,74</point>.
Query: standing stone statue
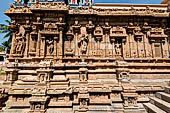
<point>50,46</point>
<point>83,43</point>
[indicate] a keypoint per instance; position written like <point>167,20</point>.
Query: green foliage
<point>4,29</point>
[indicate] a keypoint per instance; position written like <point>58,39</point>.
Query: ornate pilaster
<point>146,28</point>
<point>13,28</point>
<point>61,26</point>
<point>130,30</point>
<point>38,25</point>
<point>76,29</point>
<point>90,28</point>
<point>69,51</point>
<point>98,34</point>
<point>106,29</point>
<point>139,36</point>
<point>27,31</point>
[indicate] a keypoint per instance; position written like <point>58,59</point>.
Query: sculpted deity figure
<point>50,46</point>
<point>20,41</point>
<point>118,48</point>
<point>83,43</point>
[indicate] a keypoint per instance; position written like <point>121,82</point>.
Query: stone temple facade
<point>95,58</point>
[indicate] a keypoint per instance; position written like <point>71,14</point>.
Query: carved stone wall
<point>86,59</point>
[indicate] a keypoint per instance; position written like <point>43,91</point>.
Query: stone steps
<point>160,103</point>
<point>150,108</point>
<point>163,96</point>
<point>167,89</point>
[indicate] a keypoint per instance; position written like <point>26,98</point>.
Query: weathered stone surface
<point>90,59</point>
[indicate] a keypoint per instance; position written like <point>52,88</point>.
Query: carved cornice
<point>127,11</point>
<point>18,10</point>
<point>56,6</point>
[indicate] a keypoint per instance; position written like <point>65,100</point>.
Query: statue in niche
<point>131,101</point>
<point>83,43</point>
<point>20,41</point>
<point>83,104</point>
<point>118,49</point>
<point>83,77</point>
<point>60,20</point>
<point>50,46</point>
<point>42,78</point>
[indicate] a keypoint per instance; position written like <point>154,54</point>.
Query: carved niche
<point>157,39</point>
<point>68,49</point>
<point>44,76</point>
<point>117,38</point>
<point>49,40</point>
<point>98,35</point>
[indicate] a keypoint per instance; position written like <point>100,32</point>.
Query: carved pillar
<point>152,48</point>
<point>138,36</point>
<point>130,30</point>
<point>145,30</point>
<point>165,50</point>
<point>70,35</point>
<point>106,29</point>
<point>13,28</point>
<point>42,46</point>
<point>38,44</point>
<point>12,51</point>
<point>60,53</point>
<point>113,44</point>
<point>56,51</point>
<point>27,30</point>
<point>76,28</point>
<point>90,28</point>
<point>124,47</point>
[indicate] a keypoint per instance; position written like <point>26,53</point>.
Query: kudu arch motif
<point>91,58</point>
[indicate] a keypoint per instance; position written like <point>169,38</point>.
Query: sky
<point>5,4</point>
